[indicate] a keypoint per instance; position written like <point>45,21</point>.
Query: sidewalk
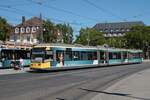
<point>134,87</point>
<point>146,60</point>
<point>12,71</point>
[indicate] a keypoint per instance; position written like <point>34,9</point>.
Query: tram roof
<point>66,46</point>
<point>85,47</point>
<point>10,49</point>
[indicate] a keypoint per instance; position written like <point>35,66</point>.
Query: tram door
<point>103,57</point>
<point>124,57</point>
<point>59,58</point>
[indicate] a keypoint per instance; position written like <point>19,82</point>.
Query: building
<point>31,32</point>
<point>27,31</point>
<point>117,29</point>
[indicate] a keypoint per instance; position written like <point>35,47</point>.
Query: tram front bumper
<point>39,65</point>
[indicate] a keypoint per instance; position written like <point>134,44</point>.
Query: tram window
<point>114,55</point>
<point>94,56</point>
<point>84,55</point>
<point>49,55</point>
<point>28,55</point>
<point>76,55</point>
<point>124,55</point>
<point>119,55</point>
<point>130,55</point>
<point>68,55</point>
<point>90,55</point>
<point>136,55</point>
<point>59,53</point>
<point>141,55</point>
<point>6,54</point>
<point>110,55</point>
<point>19,54</point>
<point>102,55</point>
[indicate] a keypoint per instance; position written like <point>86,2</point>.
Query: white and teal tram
<point>62,56</point>
<point>7,55</point>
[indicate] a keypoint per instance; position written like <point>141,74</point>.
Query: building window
<point>111,30</point>
<point>16,30</point>
<point>33,29</point>
<point>22,30</point>
<point>128,30</point>
<point>28,30</point>
<point>117,30</point>
<point>122,30</point>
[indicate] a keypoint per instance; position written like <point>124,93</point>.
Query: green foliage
<point>5,29</point>
<point>138,37</point>
<point>49,34</point>
<point>118,42</point>
<point>90,36</point>
<point>53,33</point>
<point>67,32</point>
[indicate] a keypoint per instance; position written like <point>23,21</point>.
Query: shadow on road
<point>115,94</point>
<point>60,99</point>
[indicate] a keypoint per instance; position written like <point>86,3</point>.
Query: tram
<point>62,56</point>
<point>7,55</point>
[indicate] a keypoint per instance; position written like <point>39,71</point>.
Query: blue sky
<point>79,13</point>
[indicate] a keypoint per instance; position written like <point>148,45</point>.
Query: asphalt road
<point>65,85</point>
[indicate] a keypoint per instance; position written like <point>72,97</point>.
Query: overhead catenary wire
<point>103,10</point>
<point>19,11</point>
<point>62,10</point>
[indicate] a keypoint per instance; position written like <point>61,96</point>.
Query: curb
<point>12,71</point>
<point>114,86</point>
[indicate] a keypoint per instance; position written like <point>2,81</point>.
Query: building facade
<point>31,32</point>
<point>27,31</point>
<point>117,29</point>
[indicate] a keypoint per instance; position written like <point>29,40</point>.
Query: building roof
<point>35,21</point>
<point>118,25</point>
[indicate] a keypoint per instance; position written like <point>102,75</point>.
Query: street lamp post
<point>147,50</point>
<point>88,40</point>
<point>42,33</point>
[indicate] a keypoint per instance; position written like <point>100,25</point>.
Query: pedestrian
<point>61,60</point>
<point>13,62</point>
<point>21,63</point>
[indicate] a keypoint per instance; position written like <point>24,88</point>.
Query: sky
<point>78,13</point>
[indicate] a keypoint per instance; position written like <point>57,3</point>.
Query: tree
<point>49,34</point>
<point>56,33</point>
<point>67,32</point>
<point>90,36</point>
<point>118,42</point>
<point>5,29</point>
<point>138,37</point>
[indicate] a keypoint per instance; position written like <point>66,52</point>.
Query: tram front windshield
<point>38,54</point>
